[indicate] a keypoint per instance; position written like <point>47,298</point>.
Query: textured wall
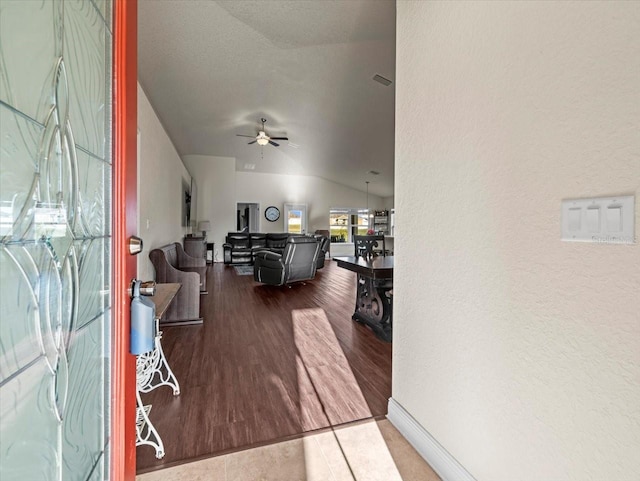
<point>220,187</point>
<point>319,194</point>
<point>215,181</point>
<point>160,177</point>
<point>518,352</point>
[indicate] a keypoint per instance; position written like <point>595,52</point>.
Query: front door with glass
<point>55,239</point>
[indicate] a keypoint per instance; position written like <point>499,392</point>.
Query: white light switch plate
<point>606,220</point>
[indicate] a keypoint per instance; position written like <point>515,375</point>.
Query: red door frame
<point>125,127</point>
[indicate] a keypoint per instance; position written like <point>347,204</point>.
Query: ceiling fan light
<point>263,141</point>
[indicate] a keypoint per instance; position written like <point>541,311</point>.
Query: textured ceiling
<point>211,69</point>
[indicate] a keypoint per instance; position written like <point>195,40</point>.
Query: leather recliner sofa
<point>242,247</point>
<point>324,248</point>
<point>296,263</point>
<point>237,248</point>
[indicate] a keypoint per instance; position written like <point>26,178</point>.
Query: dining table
<point>374,292</point>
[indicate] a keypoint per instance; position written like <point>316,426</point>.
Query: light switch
<point>602,220</point>
<point>574,219</point>
<point>614,219</point>
<point>593,219</point>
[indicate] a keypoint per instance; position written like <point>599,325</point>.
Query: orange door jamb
<point>125,112</point>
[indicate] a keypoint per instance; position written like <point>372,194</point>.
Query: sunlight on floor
<point>358,452</point>
<point>324,370</point>
<point>365,451</point>
<point>323,367</point>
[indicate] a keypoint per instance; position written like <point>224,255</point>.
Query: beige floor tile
<point>411,465</point>
<point>365,452</point>
<point>331,451</point>
<point>212,469</point>
<point>297,460</point>
<point>317,465</point>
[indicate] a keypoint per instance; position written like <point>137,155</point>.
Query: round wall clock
<point>272,213</point>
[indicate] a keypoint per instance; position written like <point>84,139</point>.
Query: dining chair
<point>369,245</point>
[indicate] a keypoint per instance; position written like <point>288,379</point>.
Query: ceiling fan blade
<point>273,143</point>
<point>252,142</point>
<point>250,136</point>
<point>279,138</point>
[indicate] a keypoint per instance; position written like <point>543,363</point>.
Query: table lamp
<point>204,226</point>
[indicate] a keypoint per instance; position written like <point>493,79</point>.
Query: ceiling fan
<point>262,138</point>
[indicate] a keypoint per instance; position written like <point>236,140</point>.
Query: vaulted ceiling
<point>212,69</point>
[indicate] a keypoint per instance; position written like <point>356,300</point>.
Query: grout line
<point>333,476</point>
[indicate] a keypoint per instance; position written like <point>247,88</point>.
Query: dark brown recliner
<point>296,263</point>
<point>237,248</point>
<point>324,248</point>
<point>186,305</point>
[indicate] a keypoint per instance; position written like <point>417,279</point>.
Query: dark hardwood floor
<point>268,363</point>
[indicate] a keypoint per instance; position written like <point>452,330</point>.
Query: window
<point>345,223</point>
<point>295,216</point>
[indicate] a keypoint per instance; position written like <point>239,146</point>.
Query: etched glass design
<point>55,238</point>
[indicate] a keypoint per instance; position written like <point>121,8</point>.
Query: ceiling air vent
<point>249,166</point>
<point>381,80</point>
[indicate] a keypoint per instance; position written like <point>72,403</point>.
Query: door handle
<point>146,288</point>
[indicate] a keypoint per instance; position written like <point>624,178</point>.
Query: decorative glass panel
<point>86,72</point>
<point>83,436</point>
<point>30,446</point>
<point>55,239</point>
<point>27,74</point>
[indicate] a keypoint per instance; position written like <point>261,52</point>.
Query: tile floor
<point>365,451</point>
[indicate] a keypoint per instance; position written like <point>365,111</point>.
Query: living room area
<point>268,364</point>
<point>500,111</point>
<point>265,363</point>
<point>502,135</point>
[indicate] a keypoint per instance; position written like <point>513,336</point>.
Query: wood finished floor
<point>268,363</point>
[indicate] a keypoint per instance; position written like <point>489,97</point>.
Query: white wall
<point>215,181</point>
<point>319,194</point>
<point>518,352</point>
<point>220,188</point>
<point>160,177</point>
<point>388,203</point>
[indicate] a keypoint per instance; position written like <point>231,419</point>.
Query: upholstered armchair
<point>193,264</point>
<point>185,307</point>
<point>296,263</point>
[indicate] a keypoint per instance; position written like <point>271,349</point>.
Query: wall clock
<point>272,213</point>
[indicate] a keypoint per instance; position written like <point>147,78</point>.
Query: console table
<point>373,292</point>
<point>152,371</point>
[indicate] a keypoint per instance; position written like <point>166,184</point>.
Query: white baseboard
<point>438,458</point>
